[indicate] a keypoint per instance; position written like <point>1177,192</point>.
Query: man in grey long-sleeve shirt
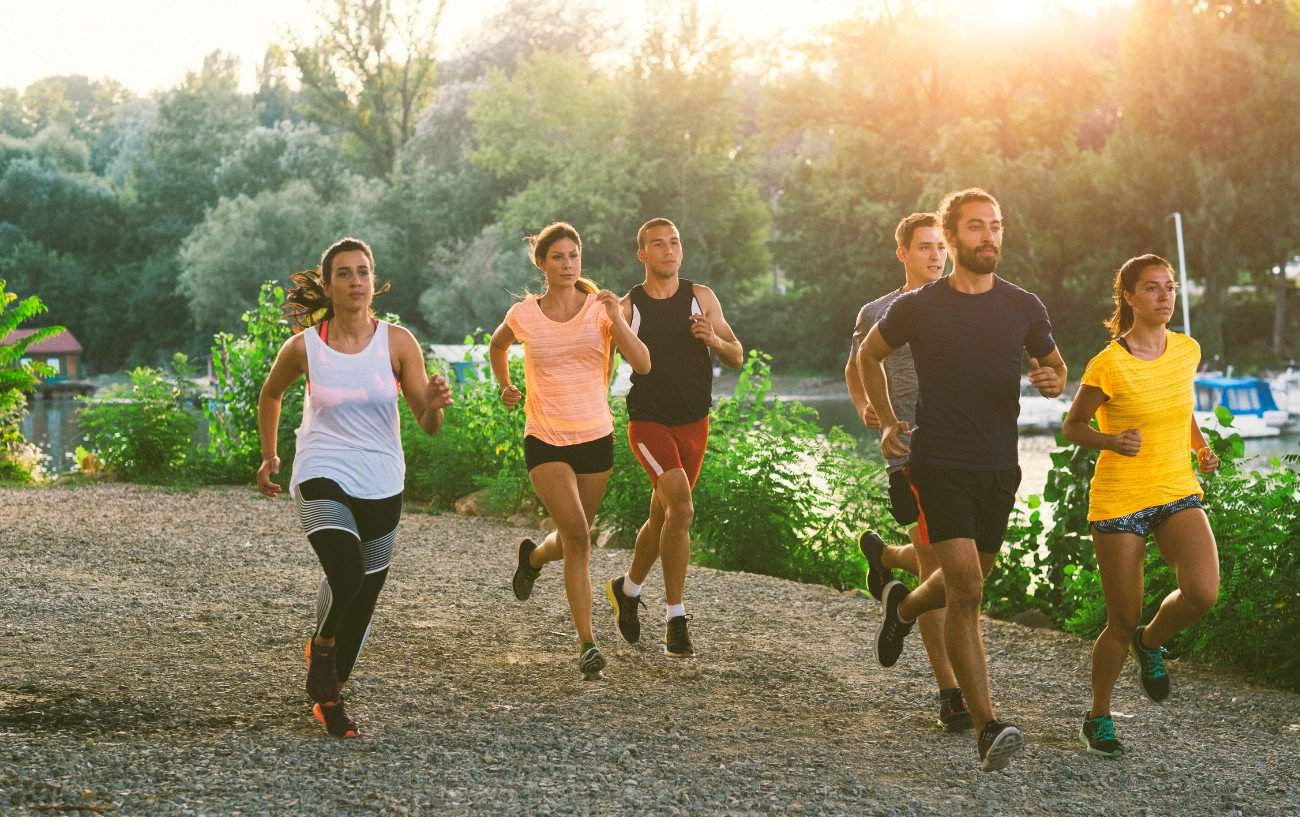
<point>923,253</point>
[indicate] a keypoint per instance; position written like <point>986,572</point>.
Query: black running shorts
<point>960,504</point>
<point>584,458</point>
<point>902,504</point>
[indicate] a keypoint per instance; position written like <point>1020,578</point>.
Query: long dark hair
<point>1126,281</point>
<point>550,234</point>
<point>307,304</point>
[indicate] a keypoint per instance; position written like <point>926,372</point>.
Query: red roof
<point>61,344</point>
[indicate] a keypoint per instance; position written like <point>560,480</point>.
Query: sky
<point>149,45</point>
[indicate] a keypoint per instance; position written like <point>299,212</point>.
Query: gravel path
<point>150,663</point>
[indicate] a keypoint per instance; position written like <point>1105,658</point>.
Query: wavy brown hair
<point>950,207</point>
<point>1126,280</point>
<point>306,299</point>
<point>541,243</point>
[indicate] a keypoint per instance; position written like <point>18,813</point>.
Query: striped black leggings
<point>354,540</point>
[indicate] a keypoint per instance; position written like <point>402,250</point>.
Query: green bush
<point>240,366</point>
<point>143,431</point>
<point>775,495</point>
<point>481,445</point>
<point>20,461</point>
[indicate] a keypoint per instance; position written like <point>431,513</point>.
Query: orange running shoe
<point>335,720</point>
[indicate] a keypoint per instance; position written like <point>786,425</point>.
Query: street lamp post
<point>1182,270</point>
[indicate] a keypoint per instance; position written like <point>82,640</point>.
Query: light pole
<point>1182,271</point>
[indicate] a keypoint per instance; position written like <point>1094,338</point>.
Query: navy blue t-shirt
<point>969,352</point>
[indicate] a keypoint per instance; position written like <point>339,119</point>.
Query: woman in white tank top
<point>348,471</point>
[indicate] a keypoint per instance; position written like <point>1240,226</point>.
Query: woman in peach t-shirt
<point>569,433</point>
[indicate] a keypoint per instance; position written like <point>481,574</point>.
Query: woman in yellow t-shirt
<point>1140,389</point>
<point>569,433</point>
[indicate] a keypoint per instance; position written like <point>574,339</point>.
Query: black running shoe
<point>322,683</point>
<point>677,642</point>
<point>625,612</point>
<point>998,743</point>
<point>889,640</point>
<point>1151,668</point>
<point>591,662</point>
<point>873,547</point>
<point>525,573</point>
<point>953,715</point>
<point>1098,736</point>
<point>335,720</point>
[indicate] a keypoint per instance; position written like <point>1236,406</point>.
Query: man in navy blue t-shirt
<point>968,334</point>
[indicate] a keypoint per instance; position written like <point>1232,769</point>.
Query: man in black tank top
<point>668,413</point>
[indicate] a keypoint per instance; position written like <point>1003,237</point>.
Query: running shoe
<point>625,612</point>
<point>889,640</point>
<point>525,573</point>
<point>873,548</point>
<point>953,715</point>
<point>322,672</point>
<point>591,663</point>
<point>998,743</point>
<point>677,642</point>
<point>1098,736</point>
<point>335,720</point>
<point>1151,668</point>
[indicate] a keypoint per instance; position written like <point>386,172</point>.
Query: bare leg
<point>932,623</point>
<point>1120,558</point>
<point>674,492</point>
<point>647,542</point>
<point>572,501</point>
<point>1187,543</point>
<point>959,583</point>
<point>902,557</point>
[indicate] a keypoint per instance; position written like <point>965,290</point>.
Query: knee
<point>1201,598</point>
<point>575,539</point>
<point>680,512</point>
<point>964,593</point>
<point>1122,625</point>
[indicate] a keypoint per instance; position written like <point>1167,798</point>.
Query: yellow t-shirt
<point>1156,398</point>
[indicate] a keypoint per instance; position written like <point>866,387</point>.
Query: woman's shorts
<point>1146,520</point>
<point>584,458</point>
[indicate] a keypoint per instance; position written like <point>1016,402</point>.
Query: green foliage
<point>775,495</point>
<point>481,444</point>
<point>240,366</point>
<point>143,431</point>
<point>226,258</point>
<point>17,380</point>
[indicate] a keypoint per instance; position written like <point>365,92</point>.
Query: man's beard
<point>969,258</point>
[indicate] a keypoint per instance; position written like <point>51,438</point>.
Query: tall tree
<point>369,73</point>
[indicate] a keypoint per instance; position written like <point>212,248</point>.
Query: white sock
<point>674,610</point>
<point>630,588</point>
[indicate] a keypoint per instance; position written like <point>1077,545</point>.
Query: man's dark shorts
<point>902,503</point>
<point>960,504</point>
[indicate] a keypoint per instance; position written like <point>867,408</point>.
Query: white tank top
<point>349,430</point>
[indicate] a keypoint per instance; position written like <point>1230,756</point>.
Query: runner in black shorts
<point>923,252</point>
<point>968,333</point>
<point>668,422</point>
<point>567,332</point>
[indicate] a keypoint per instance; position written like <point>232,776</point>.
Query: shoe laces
<point>1103,728</point>
<point>1153,661</point>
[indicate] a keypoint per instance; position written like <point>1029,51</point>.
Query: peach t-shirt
<point>565,372</point>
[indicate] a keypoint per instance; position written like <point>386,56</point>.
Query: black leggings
<point>354,540</point>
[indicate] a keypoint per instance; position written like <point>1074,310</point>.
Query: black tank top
<point>679,387</point>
